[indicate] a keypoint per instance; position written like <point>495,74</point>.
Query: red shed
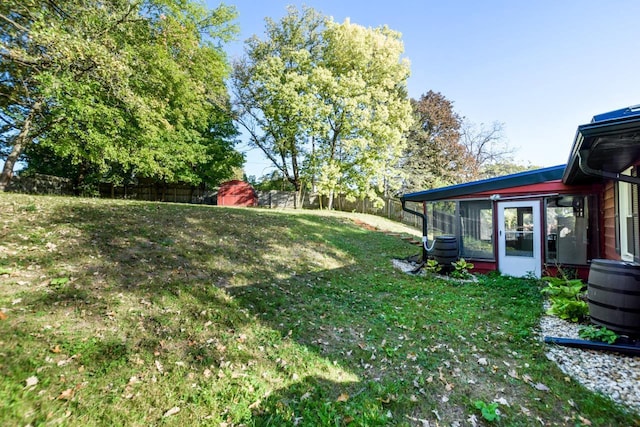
<point>237,193</point>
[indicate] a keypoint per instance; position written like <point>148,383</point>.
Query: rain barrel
<point>445,250</point>
<point>613,293</point>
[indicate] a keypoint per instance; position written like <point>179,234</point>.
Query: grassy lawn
<point>133,313</point>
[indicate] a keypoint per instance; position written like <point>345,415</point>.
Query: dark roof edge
<point>590,130</point>
<point>491,184</point>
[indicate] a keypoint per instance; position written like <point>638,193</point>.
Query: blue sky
<point>540,67</point>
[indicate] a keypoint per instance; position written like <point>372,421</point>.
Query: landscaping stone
<point>611,374</point>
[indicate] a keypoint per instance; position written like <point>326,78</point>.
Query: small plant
<point>432,266</point>
<point>594,333</point>
<point>59,281</point>
<point>567,298</point>
<point>461,269</point>
<point>31,207</point>
<point>490,412</point>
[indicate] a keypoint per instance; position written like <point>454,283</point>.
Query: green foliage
<point>435,135</point>
<point>311,100</point>
<point>490,412</point>
<point>108,91</point>
<point>59,281</point>
<point>595,333</point>
<point>274,181</point>
<point>461,269</point>
<point>567,298</point>
<point>432,266</point>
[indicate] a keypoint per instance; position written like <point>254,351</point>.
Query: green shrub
<point>432,266</point>
<point>461,269</point>
<point>567,298</point>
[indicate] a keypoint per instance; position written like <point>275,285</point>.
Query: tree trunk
<point>19,144</point>
<point>298,200</point>
<point>330,202</point>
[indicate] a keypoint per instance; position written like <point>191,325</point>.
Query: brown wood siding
<point>609,222</point>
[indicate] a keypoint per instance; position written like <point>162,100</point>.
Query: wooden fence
<point>183,193</point>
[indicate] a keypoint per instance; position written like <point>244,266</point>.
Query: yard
<point>132,313</point>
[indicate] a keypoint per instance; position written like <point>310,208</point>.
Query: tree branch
<point>14,23</point>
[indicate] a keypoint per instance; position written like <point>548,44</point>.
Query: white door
<point>519,227</point>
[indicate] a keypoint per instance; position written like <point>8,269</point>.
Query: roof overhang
<point>487,185</point>
<point>605,147</point>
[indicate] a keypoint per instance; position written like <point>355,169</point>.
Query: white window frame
<point>625,213</point>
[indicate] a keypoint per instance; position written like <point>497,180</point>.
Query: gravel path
<point>612,374</point>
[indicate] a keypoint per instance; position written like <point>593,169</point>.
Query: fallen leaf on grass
<point>67,394</point>
<point>343,397</point>
<point>31,381</point>
<point>423,422</point>
<point>56,349</point>
<point>159,366</point>
<point>541,387</point>
<point>513,374</point>
<point>305,396</point>
<point>502,401</point>
<point>3,316</point>
<point>584,421</point>
<point>171,412</point>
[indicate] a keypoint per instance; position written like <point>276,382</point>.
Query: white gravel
<point>611,374</point>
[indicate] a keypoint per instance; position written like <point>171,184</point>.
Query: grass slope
<point>132,313</point>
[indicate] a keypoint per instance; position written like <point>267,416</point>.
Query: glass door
<point>519,251</point>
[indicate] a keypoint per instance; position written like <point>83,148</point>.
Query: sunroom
<point>520,224</point>
<point>537,221</point>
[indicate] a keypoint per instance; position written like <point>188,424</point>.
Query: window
<point>567,220</point>
<point>476,218</point>
<point>627,205</point>
<point>518,231</point>
<point>441,219</point>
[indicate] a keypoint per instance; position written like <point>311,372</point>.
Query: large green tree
<point>131,87</point>
<point>274,96</point>
<point>361,86</point>
<point>326,102</point>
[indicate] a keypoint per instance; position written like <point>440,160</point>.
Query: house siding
<point>609,222</point>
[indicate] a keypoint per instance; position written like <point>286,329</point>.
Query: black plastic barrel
<point>445,250</point>
<point>614,295</point>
